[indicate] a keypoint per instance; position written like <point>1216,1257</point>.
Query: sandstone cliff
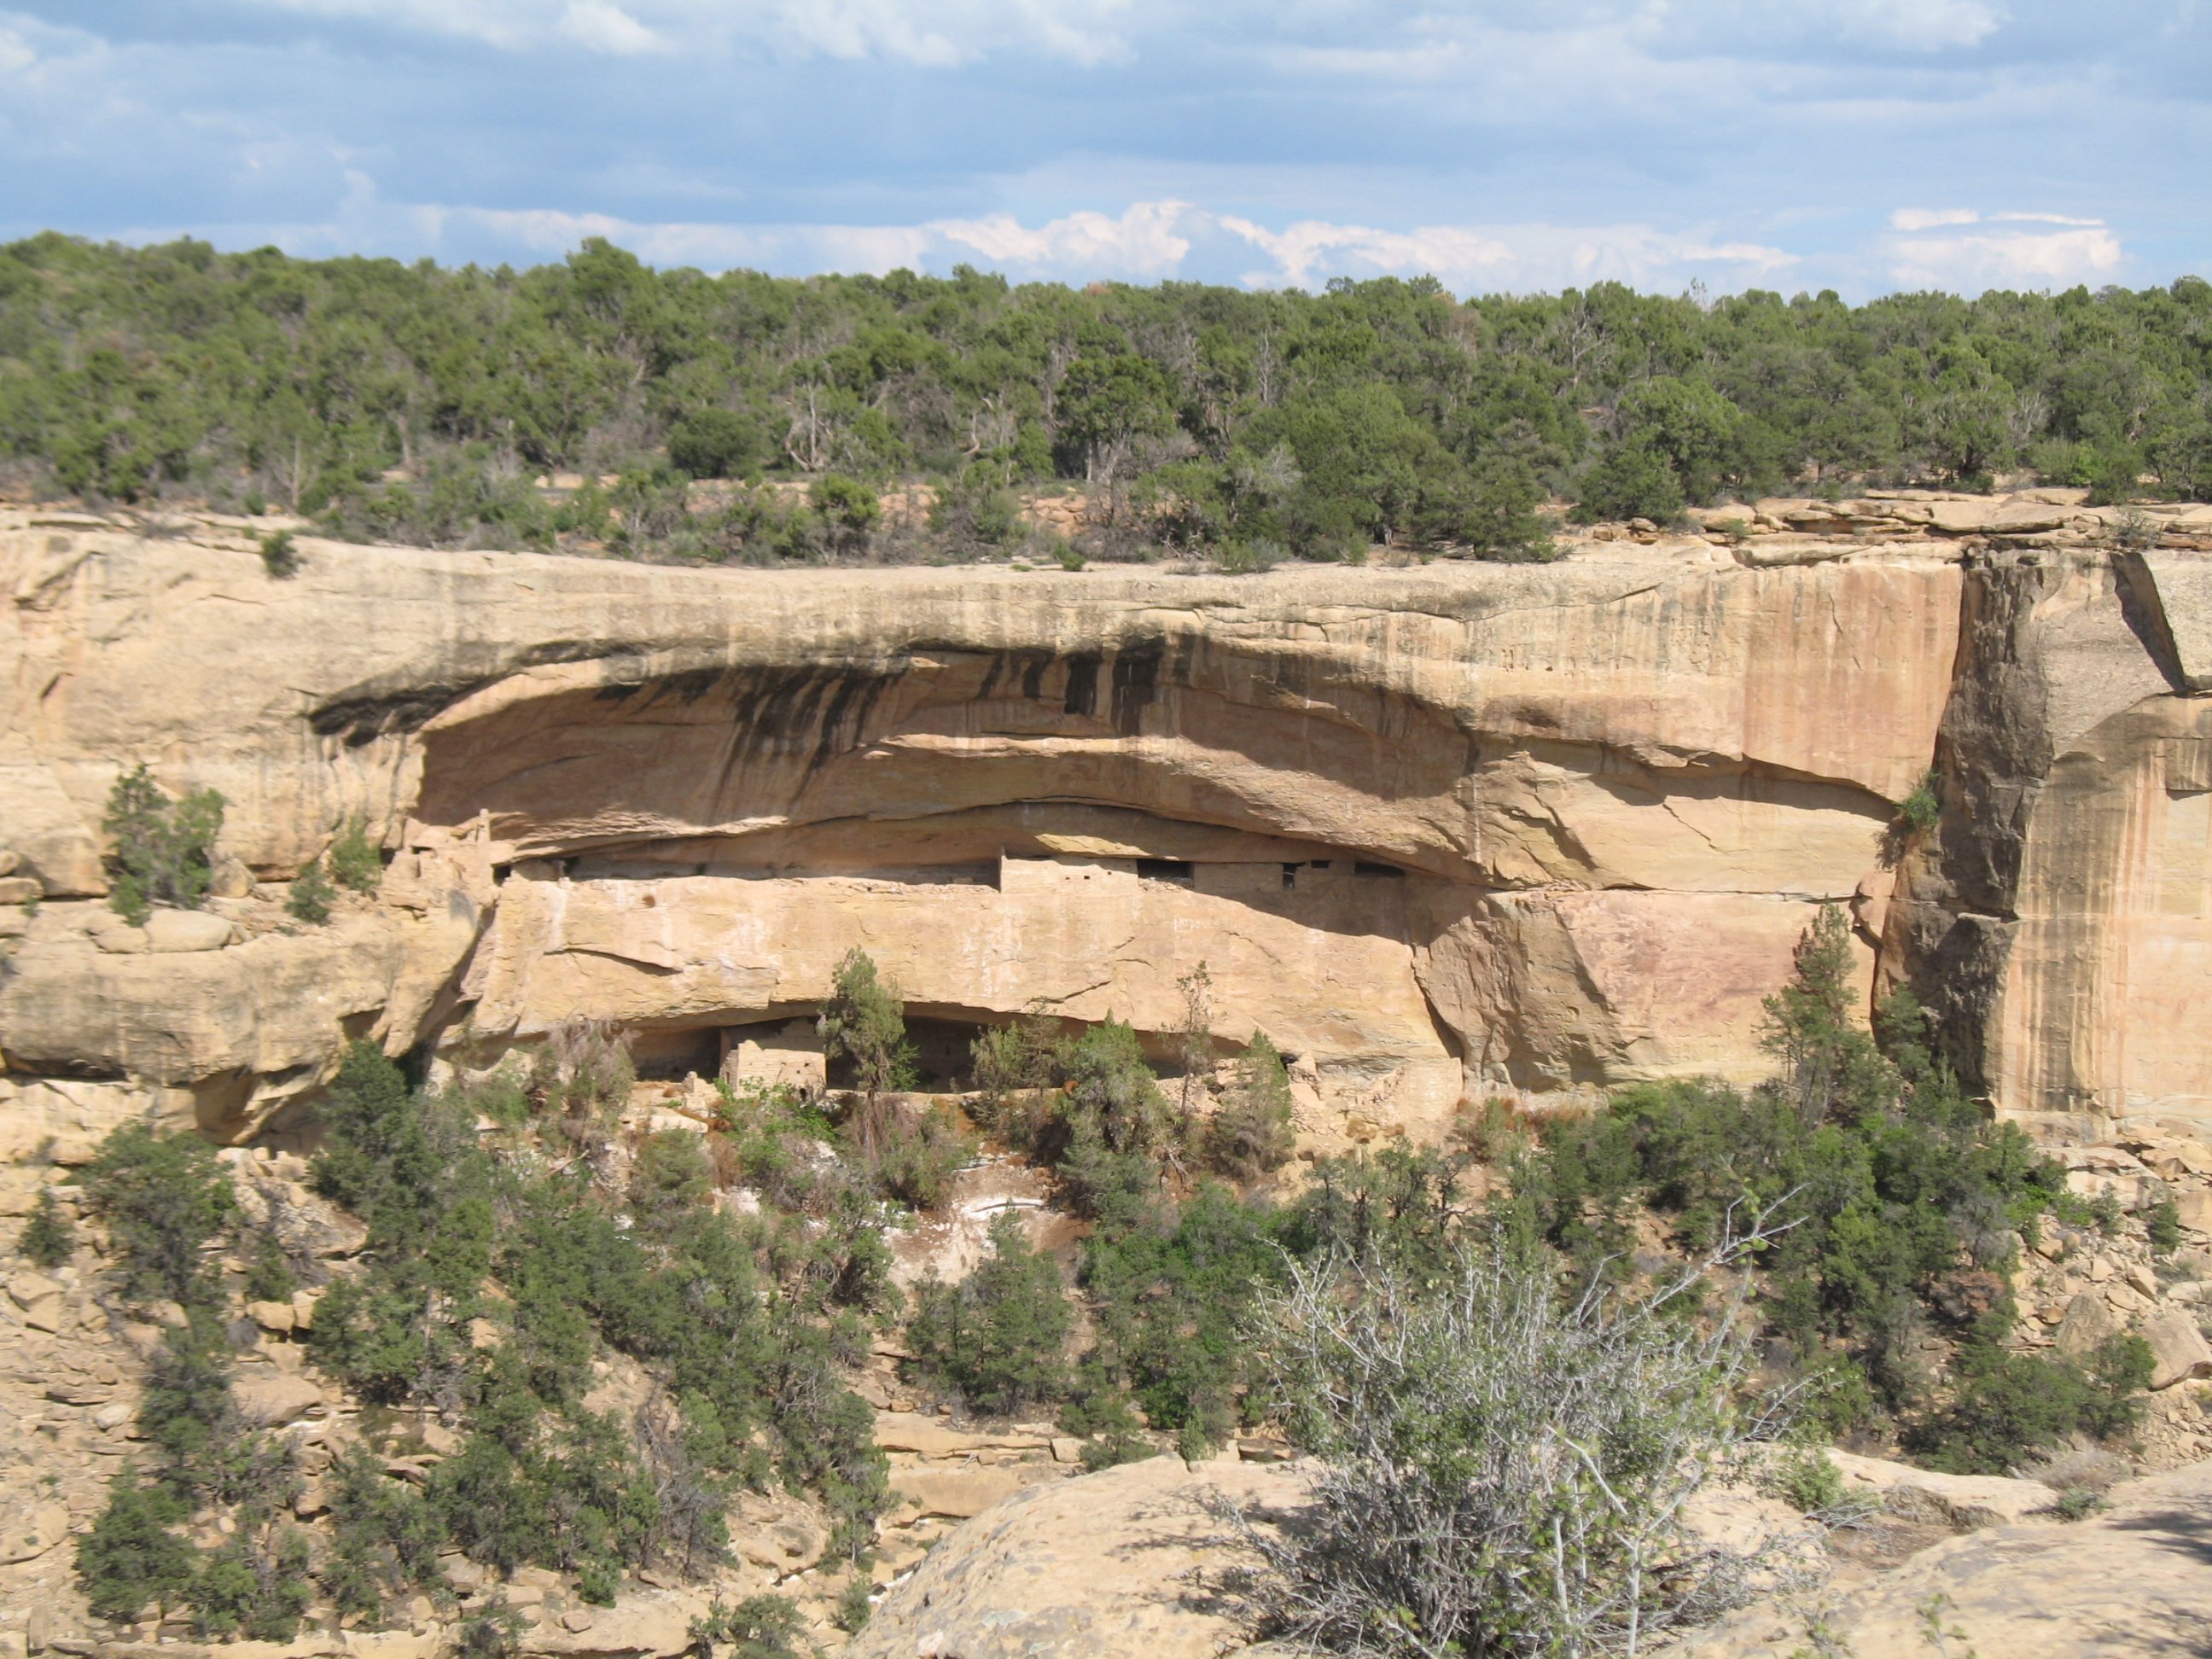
<point>1441,831</point>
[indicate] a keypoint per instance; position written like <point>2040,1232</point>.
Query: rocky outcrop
<point>1127,1561</point>
<point>1443,831</point>
<point>2128,1583</point>
<point>1143,1559</point>
<point>2061,918</point>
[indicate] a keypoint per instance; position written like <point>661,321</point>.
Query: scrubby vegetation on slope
<point>1250,424</point>
<point>1833,1247</point>
<point>1887,1301</point>
<point>491,1283</point>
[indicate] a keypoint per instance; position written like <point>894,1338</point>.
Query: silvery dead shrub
<point>1500,1467</point>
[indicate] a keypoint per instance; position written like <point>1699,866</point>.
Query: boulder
<point>25,1537</point>
<point>2178,1349</point>
<point>66,1118</point>
<point>1102,1564</point>
<point>931,1437</point>
<point>2088,1324</point>
<point>2196,1209</point>
<point>958,1492</point>
<point>1966,1500</point>
<point>642,1624</point>
<point>273,1398</point>
<point>176,932</point>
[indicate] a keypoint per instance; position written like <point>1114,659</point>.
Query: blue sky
<point>1865,145</point>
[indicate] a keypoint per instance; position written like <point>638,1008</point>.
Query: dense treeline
<point>1247,423</point>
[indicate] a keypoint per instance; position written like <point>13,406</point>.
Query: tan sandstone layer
<point>1442,831</point>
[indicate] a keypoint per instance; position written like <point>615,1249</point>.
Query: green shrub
<point>268,1276</point>
<point>774,1142</point>
<point>1110,1451</point>
<point>1502,522</point>
<point>385,1537</point>
<point>163,849</point>
<point>280,556</point>
<point>1169,1297</point>
<point>494,1632</point>
<point>354,859</point>
<point>863,1022</point>
<point>758,1627</point>
<point>2162,1223</point>
<point>714,443</point>
<point>1403,1206</point>
<point>847,506</point>
<point>668,1179</point>
<point>1923,806</point>
<point>2006,1407</point>
<point>253,1588</point>
<point>2078,1504</point>
<point>49,1237</point>
<point>1112,1098</point>
<point>1502,1461</point>
<point>854,1604</point>
<point>130,1560</point>
<point>311,896</point>
<point>1252,1133</point>
<point>913,1155</point>
<point>163,1198</point>
<point>1633,482</point>
<point>1807,1479</point>
<point>187,1410</point>
<point>998,1337</point>
<point>1013,1066</point>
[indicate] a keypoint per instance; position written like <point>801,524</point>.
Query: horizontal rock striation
<point>1452,830</point>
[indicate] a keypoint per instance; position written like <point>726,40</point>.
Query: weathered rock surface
<point>2130,1584</point>
<point>2058,921</point>
<point>1456,829</point>
<point>1966,1500</point>
<point>1112,1563</point>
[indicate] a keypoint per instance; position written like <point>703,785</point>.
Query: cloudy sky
<point>1864,145</point>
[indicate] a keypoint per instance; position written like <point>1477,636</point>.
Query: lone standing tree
<point>864,1021</point>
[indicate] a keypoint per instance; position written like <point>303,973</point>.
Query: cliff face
<point>1453,830</point>
<point>2058,922</point>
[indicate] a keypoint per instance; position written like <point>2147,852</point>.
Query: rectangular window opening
<point>1179,871</point>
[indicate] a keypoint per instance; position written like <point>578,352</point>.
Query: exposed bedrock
<point>2058,921</point>
<point>1440,831</point>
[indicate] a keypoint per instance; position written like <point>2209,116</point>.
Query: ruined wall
<point>1441,831</point>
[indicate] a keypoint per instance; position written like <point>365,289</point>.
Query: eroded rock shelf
<point>1444,832</point>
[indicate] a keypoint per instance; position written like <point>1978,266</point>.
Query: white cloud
<point>601,27</point>
<point>1144,242</point>
<point>933,33</point>
<point>1311,246</point>
<point>2007,258</point>
<point>1494,257</point>
<point>15,53</point>
<point>1929,218</point>
<point>549,232</point>
<point>942,33</point>
<point>1921,25</point>
<point>2042,219</point>
<point>1147,241</point>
